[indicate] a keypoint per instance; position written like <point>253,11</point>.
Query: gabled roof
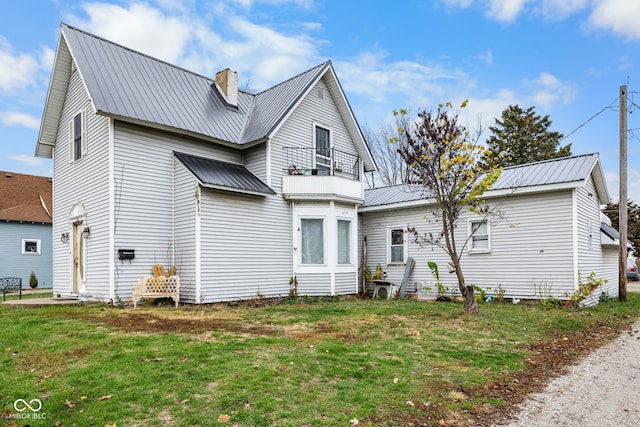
<point>137,88</point>
<point>25,198</point>
<point>223,175</point>
<point>564,172</point>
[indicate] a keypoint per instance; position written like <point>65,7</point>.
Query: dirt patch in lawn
<point>547,360</point>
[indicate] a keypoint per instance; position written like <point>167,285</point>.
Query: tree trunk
<point>470,303</point>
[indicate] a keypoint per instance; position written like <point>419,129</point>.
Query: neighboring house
<point>551,237</point>
<point>241,192</point>
<point>25,228</point>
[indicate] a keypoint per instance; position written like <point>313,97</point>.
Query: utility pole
<point>623,213</point>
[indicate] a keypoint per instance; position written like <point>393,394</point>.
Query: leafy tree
<point>612,210</point>
<point>525,136</point>
<point>443,162</point>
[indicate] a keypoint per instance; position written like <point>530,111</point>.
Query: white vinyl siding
<point>143,163</point>
<point>185,213</point>
<point>87,182</point>
<point>592,257</point>
<point>314,284</point>
<point>531,251</point>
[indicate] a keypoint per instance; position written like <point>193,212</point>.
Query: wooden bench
<point>157,286</point>
<point>10,284</point>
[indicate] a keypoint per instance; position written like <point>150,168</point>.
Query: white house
<point>240,191</point>
<point>550,240</point>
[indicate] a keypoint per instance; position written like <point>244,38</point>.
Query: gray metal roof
<point>223,175</point>
<point>609,231</point>
<point>131,86</point>
<point>565,170</point>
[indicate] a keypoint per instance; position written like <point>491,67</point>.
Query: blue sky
<point>568,58</point>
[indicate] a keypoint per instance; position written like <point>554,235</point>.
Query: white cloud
<point>19,119</point>
<point>419,84</point>
<point>548,91</point>
<point>561,9</point>
<point>505,10</point>
<point>619,16</point>
<point>17,70</point>
<point>140,27</point>
<point>23,158</point>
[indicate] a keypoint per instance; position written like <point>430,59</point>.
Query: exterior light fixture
<point>64,237</point>
<point>86,232</point>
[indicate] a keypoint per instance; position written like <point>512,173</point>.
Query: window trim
<point>471,236</point>
<point>324,241</point>
<point>73,157</point>
<point>349,243</point>
<point>38,250</point>
<point>317,126</point>
<point>405,245</point>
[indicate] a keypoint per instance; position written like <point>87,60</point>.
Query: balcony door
<point>323,148</point>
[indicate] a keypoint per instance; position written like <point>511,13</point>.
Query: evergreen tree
<point>525,136</point>
<point>633,229</point>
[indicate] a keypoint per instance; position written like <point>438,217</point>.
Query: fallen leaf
<point>108,396</point>
<point>49,375</point>
<point>184,359</point>
<point>239,352</point>
<point>155,359</point>
<point>7,350</point>
<point>12,425</point>
<point>83,397</point>
<point>110,425</point>
<point>410,403</point>
<point>224,418</point>
<point>442,422</point>
<point>57,424</point>
<point>354,421</point>
<point>395,381</point>
<point>70,404</point>
<point>182,402</point>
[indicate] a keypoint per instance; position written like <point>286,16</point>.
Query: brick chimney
<point>227,84</point>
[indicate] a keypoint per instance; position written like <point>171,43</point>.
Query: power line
<point>609,107</point>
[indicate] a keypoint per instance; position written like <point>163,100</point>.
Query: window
<point>480,241</point>
<point>323,148</point>
<point>78,137</point>
<point>590,226</point>
<point>312,240</point>
<point>31,246</point>
<point>397,246</point>
<point>344,242</point>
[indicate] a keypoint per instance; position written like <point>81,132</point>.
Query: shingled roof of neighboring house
<point>25,198</point>
<point>564,172</point>
<point>138,88</point>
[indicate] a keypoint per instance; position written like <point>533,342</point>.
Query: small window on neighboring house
<point>590,226</point>
<point>344,242</point>
<point>323,148</point>
<point>31,246</point>
<point>480,238</point>
<point>397,246</point>
<point>312,241</point>
<point>78,137</point>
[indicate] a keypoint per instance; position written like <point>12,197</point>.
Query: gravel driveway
<point>602,390</point>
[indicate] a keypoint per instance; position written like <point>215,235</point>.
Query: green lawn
<point>317,364</point>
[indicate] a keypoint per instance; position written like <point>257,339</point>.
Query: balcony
<point>328,174</point>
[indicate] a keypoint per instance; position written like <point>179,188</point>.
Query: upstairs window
<point>78,137</point>
<point>323,148</point>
